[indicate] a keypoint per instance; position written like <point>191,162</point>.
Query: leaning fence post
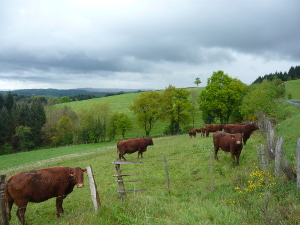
<point>93,187</point>
<point>3,215</point>
<point>278,155</point>
<point>298,163</point>
<point>167,173</point>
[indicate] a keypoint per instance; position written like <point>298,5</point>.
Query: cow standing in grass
<point>213,128</point>
<point>229,143</point>
<point>192,132</point>
<point>246,129</point>
<point>41,185</point>
<point>133,145</point>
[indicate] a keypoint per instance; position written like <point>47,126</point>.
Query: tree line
<point>292,74</point>
<point>26,126</point>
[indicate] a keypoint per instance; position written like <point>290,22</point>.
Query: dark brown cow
<point>132,145</point>
<point>246,129</point>
<point>213,128</point>
<point>41,185</point>
<point>192,132</point>
<point>229,143</point>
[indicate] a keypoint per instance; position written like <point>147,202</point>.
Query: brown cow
<point>41,185</point>
<point>213,128</point>
<point>132,145</point>
<point>192,132</point>
<point>246,129</point>
<point>202,130</point>
<point>229,143</point>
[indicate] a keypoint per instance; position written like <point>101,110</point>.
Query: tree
<point>197,81</point>
<point>259,98</point>
<point>122,123</point>
<point>221,97</point>
<point>176,108</point>
<point>147,109</point>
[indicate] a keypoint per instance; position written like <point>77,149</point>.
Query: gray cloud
<point>147,43</point>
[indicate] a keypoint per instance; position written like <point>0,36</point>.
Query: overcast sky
<point>144,43</point>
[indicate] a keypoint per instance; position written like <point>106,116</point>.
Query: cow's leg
<point>237,160</point>
<point>121,155</point>
<point>216,152</point>
<point>9,203</point>
<point>59,208</point>
<point>233,160</point>
<point>21,211</point>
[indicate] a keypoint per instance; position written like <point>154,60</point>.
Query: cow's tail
<point>9,201</point>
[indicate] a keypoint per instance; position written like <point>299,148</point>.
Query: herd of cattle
<point>43,184</point>
<point>228,137</point>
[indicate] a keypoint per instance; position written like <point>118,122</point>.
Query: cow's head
<point>150,141</point>
<point>77,174</point>
<point>237,137</point>
<point>254,126</point>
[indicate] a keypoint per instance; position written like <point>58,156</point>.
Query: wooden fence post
<point>167,173</point>
<point>263,158</point>
<point>211,171</point>
<point>93,187</point>
<point>120,180</point>
<point>278,155</point>
<point>3,215</point>
<point>298,163</point>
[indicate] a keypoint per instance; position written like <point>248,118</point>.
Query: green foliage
<point>121,123</point>
<point>221,98</point>
<point>176,108</point>
<point>25,137</point>
<point>64,99</point>
<point>147,110</point>
<point>259,98</point>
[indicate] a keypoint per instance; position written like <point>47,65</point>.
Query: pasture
<point>191,199</point>
<point>202,191</point>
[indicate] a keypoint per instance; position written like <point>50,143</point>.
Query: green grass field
<point>202,190</point>
<point>292,87</point>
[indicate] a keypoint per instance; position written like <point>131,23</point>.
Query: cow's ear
<point>84,170</point>
<point>71,172</point>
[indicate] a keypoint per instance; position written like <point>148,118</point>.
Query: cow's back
<point>40,185</point>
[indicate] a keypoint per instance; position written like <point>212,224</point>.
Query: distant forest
<point>55,96</point>
<point>293,74</point>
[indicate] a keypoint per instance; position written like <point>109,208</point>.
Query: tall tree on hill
<point>221,97</point>
<point>147,109</point>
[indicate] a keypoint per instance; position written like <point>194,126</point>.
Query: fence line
<point>3,215</point>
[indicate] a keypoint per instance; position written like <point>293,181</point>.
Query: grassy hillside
<point>293,87</point>
<point>121,103</point>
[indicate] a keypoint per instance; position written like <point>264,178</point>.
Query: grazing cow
<point>192,132</point>
<point>41,185</point>
<point>132,145</point>
<point>213,128</point>
<point>202,130</point>
<point>229,143</point>
<point>246,129</point>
